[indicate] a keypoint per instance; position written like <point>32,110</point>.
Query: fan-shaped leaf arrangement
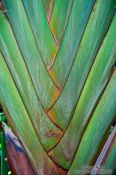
<point>58,82</point>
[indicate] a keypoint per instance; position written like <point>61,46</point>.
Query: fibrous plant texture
<point>58,85</point>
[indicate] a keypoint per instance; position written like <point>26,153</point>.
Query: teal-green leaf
<point>70,43</point>
<point>41,30</point>
<point>14,60</point>
<point>59,18</point>
<point>94,86</point>
<point>21,27</point>
<point>106,162</point>
<point>97,129</point>
<point>49,5</point>
<point>21,123</point>
<point>41,122</point>
<point>98,24</point>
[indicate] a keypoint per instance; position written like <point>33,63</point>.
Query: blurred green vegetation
<point>4,170</point>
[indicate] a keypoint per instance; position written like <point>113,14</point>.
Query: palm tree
<point>58,85</point>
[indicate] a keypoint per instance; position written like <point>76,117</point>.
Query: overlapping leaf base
<point>58,82</point>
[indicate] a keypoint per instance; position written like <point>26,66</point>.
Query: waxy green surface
<point>21,27</point>
<point>48,133</point>
<point>105,113</point>
<point>107,158</point>
<point>70,42</point>
<point>61,12</point>
<point>43,36</point>
<point>96,29</point>
<point>94,86</point>
<point>49,5</point>
<point>57,80</point>
<point>19,118</point>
